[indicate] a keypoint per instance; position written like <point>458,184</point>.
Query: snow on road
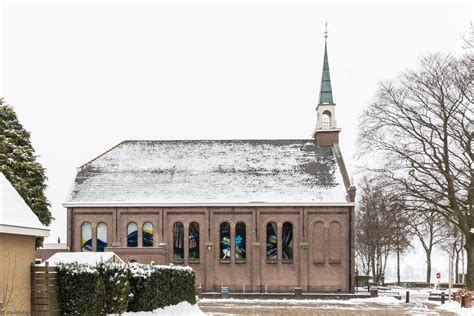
<point>382,305</point>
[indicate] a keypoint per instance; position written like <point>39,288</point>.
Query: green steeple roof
<point>325,94</point>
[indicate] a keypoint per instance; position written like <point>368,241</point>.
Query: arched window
<point>147,234</point>
<point>326,120</point>
<point>101,237</point>
<point>240,242</point>
<point>225,247</point>
<point>287,242</point>
<point>194,241</point>
<point>132,235</point>
<point>86,236</point>
<point>272,242</point>
<point>178,241</point>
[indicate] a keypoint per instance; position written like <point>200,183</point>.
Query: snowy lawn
<point>183,308</point>
<point>455,307</point>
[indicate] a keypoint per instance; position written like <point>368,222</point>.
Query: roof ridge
<point>217,140</point>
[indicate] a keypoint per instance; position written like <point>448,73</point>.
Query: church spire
<point>326,132</point>
<point>325,94</point>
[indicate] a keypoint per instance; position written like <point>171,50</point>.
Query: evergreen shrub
<point>115,287</point>
<point>77,288</point>
<point>157,286</point>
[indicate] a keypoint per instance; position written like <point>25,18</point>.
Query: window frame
<point>244,259</point>
<point>181,232</point>
<point>82,237</point>
<point>101,224</point>
<point>198,246</point>
<point>221,243</point>
<point>128,238</point>
<point>152,235</point>
<point>285,260</point>
<point>274,258</point>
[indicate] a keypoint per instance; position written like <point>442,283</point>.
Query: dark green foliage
<point>19,165</point>
<point>181,286</point>
<point>142,282</point>
<point>173,285</point>
<point>77,289</point>
<point>114,286</point>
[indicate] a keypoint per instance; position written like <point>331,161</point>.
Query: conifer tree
<point>19,165</point>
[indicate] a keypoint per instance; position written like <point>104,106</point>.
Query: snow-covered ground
<point>386,305</point>
<point>382,305</point>
<point>183,308</point>
<point>455,307</point>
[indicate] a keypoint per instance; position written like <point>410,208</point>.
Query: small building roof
<point>210,172</point>
<point>16,217</point>
<point>91,258</point>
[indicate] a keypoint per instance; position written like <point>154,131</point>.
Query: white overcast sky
<point>85,75</point>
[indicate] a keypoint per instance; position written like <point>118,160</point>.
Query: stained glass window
<point>272,242</point>
<point>287,242</point>
<point>178,241</point>
<point>101,237</point>
<point>225,241</point>
<point>86,233</point>
<point>132,235</point>
<point>147,234</point>
<point>194,241</point>
<point>240,242</point>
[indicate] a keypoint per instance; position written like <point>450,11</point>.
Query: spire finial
<point>326,32</point>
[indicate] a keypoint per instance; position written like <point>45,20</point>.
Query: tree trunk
<point>374,271</point>
<point>398,266</point>
<point>470,260</point>
<point>428,267</point>
<point>456,267</point>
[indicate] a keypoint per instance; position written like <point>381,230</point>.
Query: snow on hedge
<point>140,270</point>
<point>77,268</point>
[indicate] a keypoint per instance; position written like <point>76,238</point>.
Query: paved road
<point>301,308</point>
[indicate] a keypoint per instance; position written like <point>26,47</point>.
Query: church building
<point>244,214</point>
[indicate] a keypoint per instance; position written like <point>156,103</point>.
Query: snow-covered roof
<point>16,217</point>
<point>91,258</point>
<point>200,172</point>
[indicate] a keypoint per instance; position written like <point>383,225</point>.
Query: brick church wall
<point>321,244</point>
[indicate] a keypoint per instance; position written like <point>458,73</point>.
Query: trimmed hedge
<point>114,280</point>
<point>77,289</point>
<point>113,288</point>
<point>175,284</point>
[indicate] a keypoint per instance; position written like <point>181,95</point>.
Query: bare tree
<point>458,252</point>
<point>431,229</point>
<point>401,235</point>
<point>419,132</point>
<point>381,229</point>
